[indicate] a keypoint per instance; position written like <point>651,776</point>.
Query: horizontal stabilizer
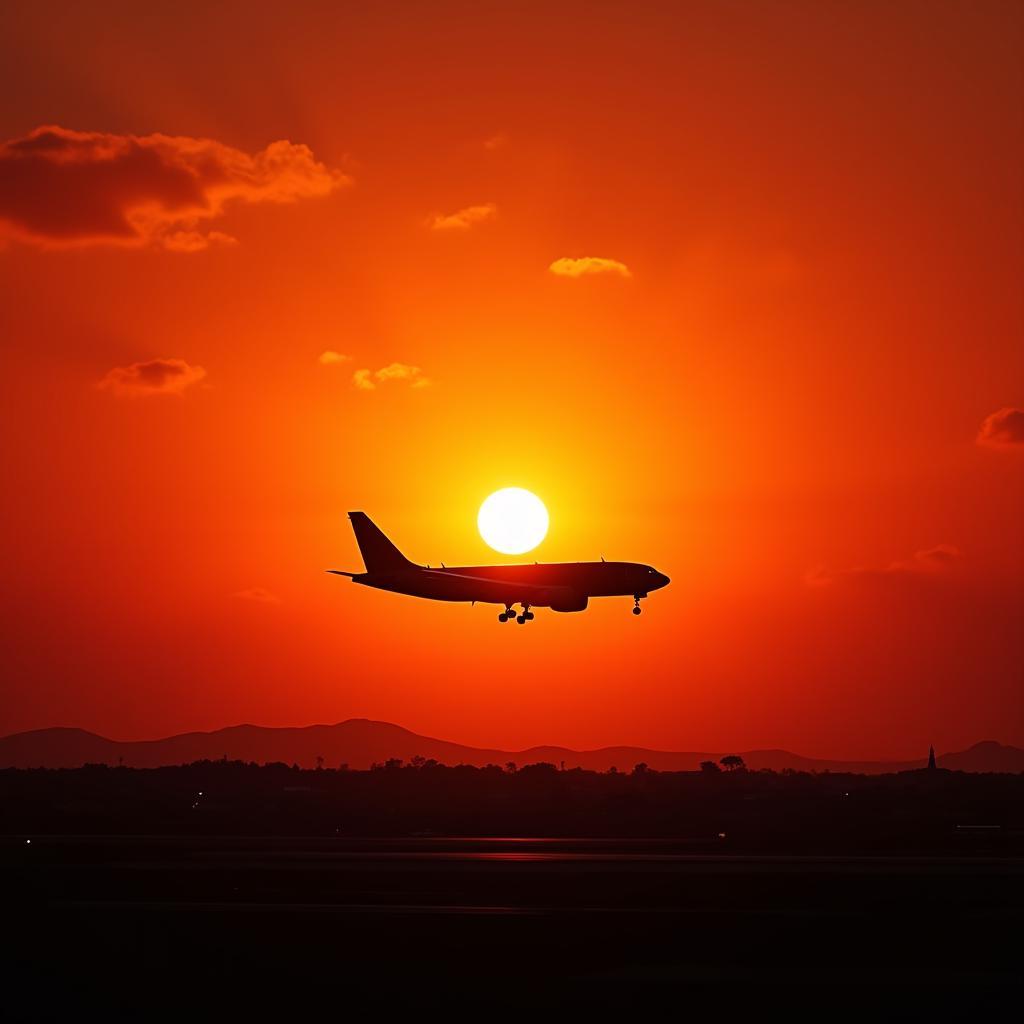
<point>339,572</point>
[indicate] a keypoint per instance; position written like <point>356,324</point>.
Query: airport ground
<point>211,924</point>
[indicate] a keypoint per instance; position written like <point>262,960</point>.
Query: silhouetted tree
<point>418,761</point>
<point>319,762</point>
<point>640,768</point>
<point>710,768</point>
<point>732,762</point>
<point>510,767</point>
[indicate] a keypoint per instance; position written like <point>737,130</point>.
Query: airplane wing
<point>486,589</point>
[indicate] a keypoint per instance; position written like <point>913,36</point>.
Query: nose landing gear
<point>636,604</point>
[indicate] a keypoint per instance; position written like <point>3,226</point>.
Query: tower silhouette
<point>931,758</point>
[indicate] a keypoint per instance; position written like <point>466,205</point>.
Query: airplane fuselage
<point>562,585</point>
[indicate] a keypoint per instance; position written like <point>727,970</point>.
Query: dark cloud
<point>155,377</point>
<point>922,565</point>
<point>1002,429</point>
<point>60,187</point>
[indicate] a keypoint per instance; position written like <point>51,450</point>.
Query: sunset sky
<point>735,288</point>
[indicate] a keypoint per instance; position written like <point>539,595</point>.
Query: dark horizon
<point>360,742</point>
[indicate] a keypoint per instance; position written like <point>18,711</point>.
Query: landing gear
<point>636,604</point>
<point>526,616</point>
<point>508,615</point>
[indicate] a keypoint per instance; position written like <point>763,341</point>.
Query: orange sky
<point>774,394</point>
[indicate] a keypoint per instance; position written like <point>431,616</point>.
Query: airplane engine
<point>575,603</point>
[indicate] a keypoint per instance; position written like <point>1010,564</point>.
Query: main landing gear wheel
<point>506,615</point>
<point>526,616</point>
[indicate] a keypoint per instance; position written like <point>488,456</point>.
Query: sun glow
<point>513,520</point>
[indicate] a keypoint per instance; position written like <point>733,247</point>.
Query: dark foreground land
<point>129,893</point>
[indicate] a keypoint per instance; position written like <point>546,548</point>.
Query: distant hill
<point>359,742</point>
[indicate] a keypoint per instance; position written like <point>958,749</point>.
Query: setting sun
<point>513,520</point>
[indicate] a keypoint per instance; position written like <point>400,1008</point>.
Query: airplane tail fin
<point>379,554</point>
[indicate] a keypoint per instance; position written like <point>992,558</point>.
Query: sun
<point>513,520</point>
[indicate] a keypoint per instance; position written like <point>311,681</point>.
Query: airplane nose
<point>663,580</point>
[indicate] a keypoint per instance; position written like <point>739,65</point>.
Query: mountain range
<point>360,742</point>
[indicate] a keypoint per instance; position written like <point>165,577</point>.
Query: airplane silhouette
<point>562,587</point>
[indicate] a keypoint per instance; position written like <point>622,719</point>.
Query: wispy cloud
<point>363,380</point>
<point>60,187</point>
<point>155,377</point>
<point>1002,429</point>
<point>367,380</point>
<point>194,241</point>
<point>584,265</point>
<point>922,564</point>
<point>464,219</point>
<point>332,358</point>
<point>257,594</point>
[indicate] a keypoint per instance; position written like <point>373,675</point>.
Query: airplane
<point>562,587</point>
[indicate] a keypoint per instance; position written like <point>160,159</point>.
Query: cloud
<point>1002,429</point>
<point>332,358</point>
<point>62,188</point>
<point>462,220</point>
<point>923,564</point>
<point>566,267</point>
<point>155,377</point>
<point>258,595</point>
<point>365,380</point>
<point>937,558</point>
<point>193,241</point>
<point>400,371</point>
